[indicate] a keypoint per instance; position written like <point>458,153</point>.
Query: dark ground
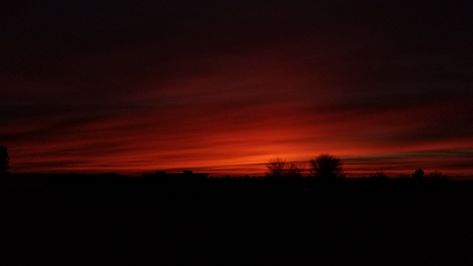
<point>46,221</point>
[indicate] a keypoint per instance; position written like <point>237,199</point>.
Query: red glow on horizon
<point>232,116</point>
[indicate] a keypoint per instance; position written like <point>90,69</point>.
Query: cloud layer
<point>226,87</point>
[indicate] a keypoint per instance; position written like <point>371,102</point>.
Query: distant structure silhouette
<point>278,168</point>
<point>4,161</point>
<point>327,167</point>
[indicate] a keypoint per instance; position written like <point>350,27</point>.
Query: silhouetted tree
<point>4,161</point>
<point>276,167</point>
<point>294,170</point>
<point>327,167</point>
<point>418,174</point>
<point>282,168</point>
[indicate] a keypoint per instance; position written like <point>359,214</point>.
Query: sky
<point>224,86</point>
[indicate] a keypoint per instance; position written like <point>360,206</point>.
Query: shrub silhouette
<point>282,168</point>
<point>4,161</point>
<point>327,167</point>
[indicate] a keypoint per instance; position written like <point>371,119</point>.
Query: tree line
<point>326,167</point>
<point>323,167</point>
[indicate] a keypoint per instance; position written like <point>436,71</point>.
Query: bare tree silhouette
<point>327,167</point>
<point>282,168</point>
<point>276,167</point>
<point>294,170</point>
<point>4,161</point>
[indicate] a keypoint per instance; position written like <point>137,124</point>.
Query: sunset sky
<point>225,86</point>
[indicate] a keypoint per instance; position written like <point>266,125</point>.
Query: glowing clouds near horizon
<point>233,115</point>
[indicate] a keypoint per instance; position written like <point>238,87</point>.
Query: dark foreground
<point>131,222</point>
